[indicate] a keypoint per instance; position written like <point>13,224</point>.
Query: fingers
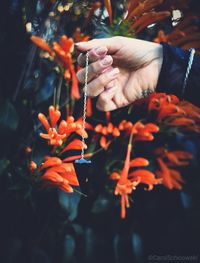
<point>97,86</point>
<point>112,44</point>
<point>94,54</point>
<point>94,69</point>
<point>105,102</point>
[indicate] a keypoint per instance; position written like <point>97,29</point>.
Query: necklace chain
<point>84,106</point>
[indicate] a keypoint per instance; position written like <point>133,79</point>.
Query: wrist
<point>157,65</point>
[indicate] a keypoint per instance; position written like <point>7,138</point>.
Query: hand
<point>120,69</point>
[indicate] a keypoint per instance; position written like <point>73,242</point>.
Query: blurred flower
<point>171,178</point>
<point>42,44</point>
<point>108,6</point>
<point>174,158</point>
<point>141,132</point>
<point>172,112</point>
<point>59,174</point>
<point>108,133</point>
<point>61,52</point>
<point>141,14</point>
<point>149,18</point>
<point>185,34</point>
<point>89,107</point>
<point>79,36</point>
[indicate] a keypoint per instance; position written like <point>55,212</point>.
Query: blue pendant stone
<point>82,161</point>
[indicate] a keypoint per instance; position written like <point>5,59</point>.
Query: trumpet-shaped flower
<point>56,134</point>
<point>59,174</point>
<point>108,133</point>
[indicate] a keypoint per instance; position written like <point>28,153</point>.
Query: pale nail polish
<point>107,60</point>
<point>101,51</point>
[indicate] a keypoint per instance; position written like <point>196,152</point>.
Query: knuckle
<point>103,97</point>
<point>102,79</point>
<point>92,68</point>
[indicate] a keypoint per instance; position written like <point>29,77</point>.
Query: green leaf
<point>9,118</point>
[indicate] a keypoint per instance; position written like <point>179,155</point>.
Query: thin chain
<point>191,57</point>
<point>84,105</point>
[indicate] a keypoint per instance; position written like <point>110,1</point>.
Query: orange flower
<point>52,135</point>
<point>144,177</point>
<point>141,132</point>
<point>42,44</point>
<point>79,36</point>
<point>169,110</point>
<point>108,6</point>
<point>89,107</point>
<point>171,178</point>
<point>144,132</point>
<point>138,162</point>
<point>124,185</point>
<point>59,174</point>
<point>61,52</point>
<point>181,121</point>
<point>77,157</point>
<point>56,135</point>
<point>70,125</point>
<point>74,145</point>
<point>185,34</point>
<point>174,158</point>
<point>141,175</point>
<point>148,19</point>
<point>127,181</point>
<point>108,133</point>
<point>172,112</point>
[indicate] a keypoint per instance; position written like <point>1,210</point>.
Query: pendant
<point>82,161</point>
<point>82,172</point>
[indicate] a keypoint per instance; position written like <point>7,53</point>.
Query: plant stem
<point>59,90</point>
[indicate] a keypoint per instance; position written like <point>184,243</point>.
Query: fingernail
<point>107,60</point>
<point>101,51</point>
<point>113,72</point>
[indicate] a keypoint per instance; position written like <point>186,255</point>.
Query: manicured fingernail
<point>101,51</point>
<point>107,60</point>
<point>113,72</point>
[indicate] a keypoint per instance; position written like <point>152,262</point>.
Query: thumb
<point>110,43</point>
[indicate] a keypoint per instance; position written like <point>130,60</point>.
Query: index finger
<point>113,44</point>
<point>94,54</point>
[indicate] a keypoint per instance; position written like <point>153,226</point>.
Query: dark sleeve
<point>173,70</point>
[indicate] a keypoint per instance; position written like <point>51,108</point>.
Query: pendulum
<point>82,160</point>
<point>81,165</point>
